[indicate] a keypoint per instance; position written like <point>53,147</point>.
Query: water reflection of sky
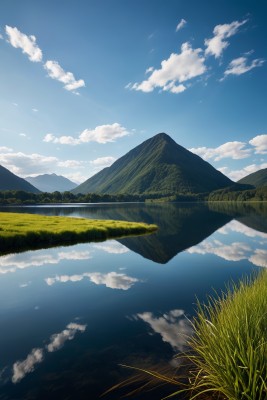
<point>122,307</point>
<point>251,244</point>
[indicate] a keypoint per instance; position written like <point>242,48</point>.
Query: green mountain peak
<point>157,166</point>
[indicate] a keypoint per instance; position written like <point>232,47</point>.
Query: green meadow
<point>28,231</point>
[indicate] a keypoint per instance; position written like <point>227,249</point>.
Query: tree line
<point>20,197</point>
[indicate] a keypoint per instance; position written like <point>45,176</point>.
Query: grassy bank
<point>28,231</point>
<point>227,357</point>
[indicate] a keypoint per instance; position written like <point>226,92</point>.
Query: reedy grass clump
<point>227,356</point>
<point>20,231</point>
<point>230,343</point>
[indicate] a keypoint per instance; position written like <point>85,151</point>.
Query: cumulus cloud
<point>233,252</point>
<point>22,368</point>
<point>240,65</point>
<point>55,71</point>
<point>58,340</point>
<point>103,161</point>
<point>23,164</point>
<point>101,134</point>
<point>33,164</point>
<point>235,175</point>
<point>4,149</point>
<point>235,150</point>
<point>178,68</point>
<point>173,327</point>
<point>180,25</point>
<point>260,144</point>
<point>14,262</point>
<point>111,247</point>
<point>27,43</point>
<point>218,43</point>
<point>112,280</point>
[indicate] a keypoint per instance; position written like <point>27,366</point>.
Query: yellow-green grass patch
<point>19,231</point>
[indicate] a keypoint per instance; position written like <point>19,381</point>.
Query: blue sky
<point>83,82</point>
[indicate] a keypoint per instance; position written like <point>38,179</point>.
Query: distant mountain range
<point>256,179</point>
<point>51,183</point>
<point>10,181</point>
<point>157,166</point>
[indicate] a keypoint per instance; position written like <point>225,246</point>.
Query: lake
<point>71,315</point>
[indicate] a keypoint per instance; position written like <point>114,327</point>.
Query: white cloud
<point>23,135</point>
<point>1,36</point>
<point>33,164</point>
<point>101,134</point>
<point>173,327</point>
<point>259,258</point>
<point>234,252</point>
<point>14,262</point>
<point>55,71</point>
<point>176,69</point>
<point>58,340</point>
<point>70,164</point>
<point>148,70</point>
<point>239,66</point>
<point>112,280</point>
<point>235,150</point>
<point>260,144</point>
<point>235,175</point>
<point>4,149</point>
<point>22,368</point>
<point>180,25</point>
<point>112,247</point>
<point>103,161</point>
<point>35,110</point>
<point>27,43</point>
<point>217,43</point>
<point>23,164</point>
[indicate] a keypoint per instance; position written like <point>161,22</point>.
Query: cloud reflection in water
<point>235,251</point>
<point>36,356</point>
<point>173,327</point>
<point>14,262</point>
<point>111,280</point>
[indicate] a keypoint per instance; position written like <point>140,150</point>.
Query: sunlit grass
<point>230,343</point>
<point>227,357</point>
<point>19,231</point>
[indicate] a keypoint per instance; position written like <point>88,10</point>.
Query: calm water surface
<point>70,315</point>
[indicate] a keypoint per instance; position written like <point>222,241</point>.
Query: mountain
<point>256,179</point>
<point>10,181</point>
<point>159,166</point>
<point>51,183</point>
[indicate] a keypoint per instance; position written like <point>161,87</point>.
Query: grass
<point>227,359</point>
<point>230,343</point>
<point>28,231</point>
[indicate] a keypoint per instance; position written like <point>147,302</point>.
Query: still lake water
<point>70,315</point>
